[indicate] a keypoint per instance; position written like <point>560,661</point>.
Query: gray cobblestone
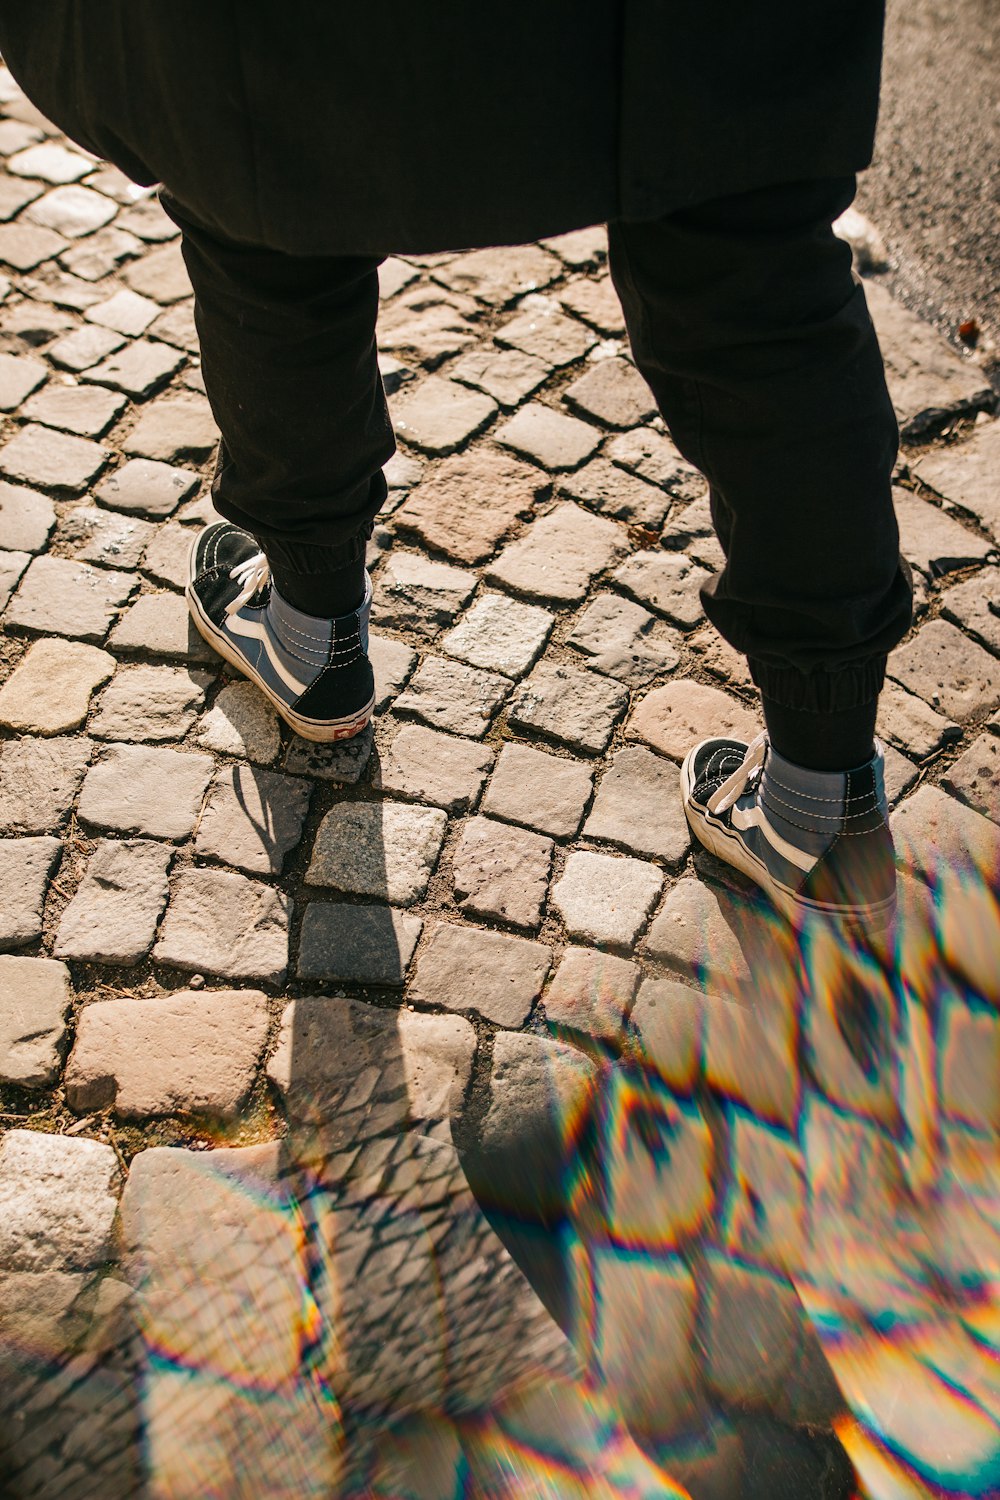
<point>617,493</point>
<point>25,246</point>
<point>150,704</point>
<point>350,944</point>
<point>502,872</point>
<point>974,605</point>
<point>39,780</point>
<point>71,211</point>
<point>143,484</point>
<point>414,594</point>
<point>166,557</point>
<point>19,376</point>
<point>619,639</point>
<point>161,625</point>
<point>344,761</point>
<point>138,370</point>
<point>174,430</point>
<point>433,767</point>
<point>113,916</point>
<point>84,410</point>
<point>225,924</point>
<point>35,999</point>
<point>51,162</point>
<point>160,274</point>
<point>652,456</point>
<point>578,708</point>
<point>84,348</point>
<point>253,819</point>
<point>542,791</point>
<point>931,540</point>
<point>53,460</point>
<point>500,634</point>
<point>104,537</point>
<point>392,662</point>
<point>465,968</point>
<point>452,696</point>
<point>241,722</point>
<point>141,789</point>
<point>175,1054</point>
<point>384,849</point>
<point>69,598</point>
<point>927,379</point>
<point>123,312</point>
<point>912,724</point>
<point>558,555</point>
<point>591,992</point>
<point>594,299</point>
<point>12,567</point>
<point>549,438</point>
<point>49,691</point>
<point>26,518</point>
<point>604,899</point>
<point>668,1020</point>
<point>638,805</point>
<point>546,332</point>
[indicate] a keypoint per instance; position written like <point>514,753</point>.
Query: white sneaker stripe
<point>255,630</point>
<point>755,817</point>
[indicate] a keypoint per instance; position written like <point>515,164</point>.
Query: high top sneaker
<point>817,842</point>
<point>316,672</point>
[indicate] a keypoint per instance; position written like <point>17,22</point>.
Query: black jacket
<point>326,127</point>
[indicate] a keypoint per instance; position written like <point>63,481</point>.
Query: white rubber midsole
<point>321,730</point>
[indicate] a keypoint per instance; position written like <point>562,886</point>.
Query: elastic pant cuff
<point>820,691</point>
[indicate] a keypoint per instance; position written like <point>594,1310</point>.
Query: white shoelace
<point>735,785</point>
<point>251,575</point>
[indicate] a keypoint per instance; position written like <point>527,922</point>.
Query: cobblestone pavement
<point>267,1008</point>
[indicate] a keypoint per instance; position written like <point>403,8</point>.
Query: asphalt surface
<point>934,186</point>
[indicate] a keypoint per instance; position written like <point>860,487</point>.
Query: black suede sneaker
<point>316,672</point>
<point>817,842</point>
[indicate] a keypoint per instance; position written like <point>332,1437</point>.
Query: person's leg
<point>746,320</point>
<point>290,366</point>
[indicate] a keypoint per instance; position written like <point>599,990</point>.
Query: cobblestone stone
<point>502,872</point>
<point>652,456</point>
<point>49,691</point>
<point>26,518</point>
<point>603,899</point>
<point>113,916</point>
<point>25,246</point>
<point>638,805</point>
<point>140,789</point>
<point>558,555</point>
<point>941,839</point>
<point>150,704</point>
<point>176,326</point>
<point>71,211</point>
<point>966,474</point>
<point>50,162</point>
<point>160,274</point>
<point>58,1200</point>
<point>546,332</point>
<point>947,670</point>
<point>19,376</point>
<point>84,348</point>
<point>123,312</point>
<point>14,196</point>
<point>465,968</point>
<point>618,639</point>
<point>144,485</point>
<point>437,416</point>
<point>750,1059</point>
<point>970,1064</point>
<point>594,299</point>
<point>87,411</point>
<point>614,392</point>
<point>469,502</point>
<point>549,438</point>
<point>500,634</point>
<point>911,724</point>
<point>240,722</point>
<point>52,460</point>
<point>765,1216</point>
<point>696,932</point>
<point>166,556</point>
<point>850,1005</point>
<point>668,582</point>
<point>349,944</point>
<point>174,430</point>
<point>673,718</point>
<point>578,708</point>
<point>450,695</point>
<point>667,1018</point>
<point>69,598</point>
<point>975,776</point>
<point>505,374</point>
<point>384,849</point>
<point>105,537</point>
<point>414,594</point>
<point>927,379</point>
<point>35,999</point>
<point>12,566</point>
<point>433,767</point>
<point>591,992</point>
<point>974,605</point>
<point>931,540</point>
<point>253,819</point>
<point>428,324</point>
<point>392,662</point>
<point>39,780</point>
<point>138,370</point>
<point>344,761</point>
<point>542,791</point>
<point>751,1326</point>
<point>225,924</point>
<point>500,275</point>
<point>617,493</point>
<point>161,625</point>
<point>183,1053</point>
<point>100,254</point>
